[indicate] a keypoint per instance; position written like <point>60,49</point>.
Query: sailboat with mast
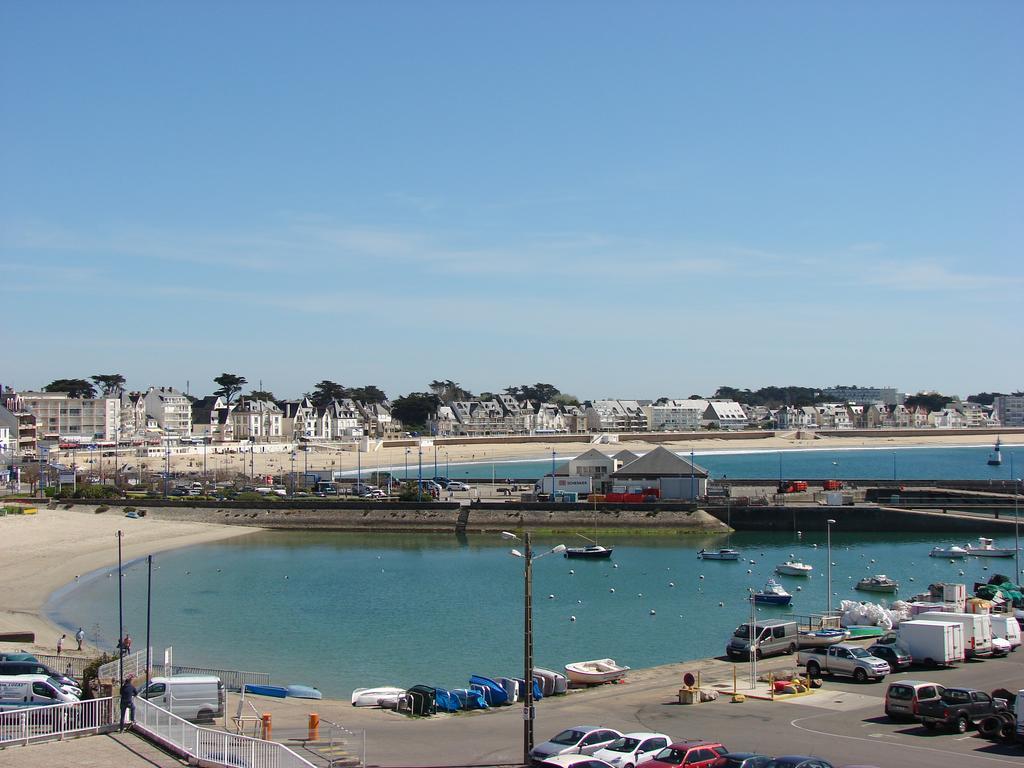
<point>995,458</point>
<point>592,551</point>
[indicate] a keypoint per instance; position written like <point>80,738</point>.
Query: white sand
<point>45,551</point>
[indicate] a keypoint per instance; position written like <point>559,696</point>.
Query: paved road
<point>843,723</point>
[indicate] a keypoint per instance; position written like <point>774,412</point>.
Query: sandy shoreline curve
<point>48,550</point>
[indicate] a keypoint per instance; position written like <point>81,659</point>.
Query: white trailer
<point>581,484</point>
<point>977,630</point>
<point>932,643</point>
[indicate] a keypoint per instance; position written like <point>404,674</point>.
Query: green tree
<point>933,401</point>
<point>984,398</point>
<point>564,398</point>
<point>543,393</point>
<point>74,387</point>
<point>448,391</point>
<point>261,394</point>
<point>414,409</point>
<point>327,391</point>
<point>368,394</point>
<point>230,385</point>
<point>110,384</point>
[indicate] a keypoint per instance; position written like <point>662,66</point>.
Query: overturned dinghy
<point>511,686</point>
<point>385,696</point>
<point>555,683</point>
<point>446,701</point>
<point>494,694</point>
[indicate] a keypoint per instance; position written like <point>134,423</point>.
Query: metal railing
<point>212,745</point>
<point>22,726</point>
<point>135,664</point>
<point>72,666</point>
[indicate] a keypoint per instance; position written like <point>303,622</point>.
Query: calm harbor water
<point>347,610</point>
<point>882,463</point>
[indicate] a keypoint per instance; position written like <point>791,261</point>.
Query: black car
<point>741,760</point>
<point>896,656</point>
<point>798,761</point>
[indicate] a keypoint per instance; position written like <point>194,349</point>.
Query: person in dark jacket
<point>128,693</point>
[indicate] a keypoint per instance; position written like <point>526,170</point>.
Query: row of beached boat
<point>485,692</point>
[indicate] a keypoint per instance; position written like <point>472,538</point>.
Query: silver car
<point>579,740</point>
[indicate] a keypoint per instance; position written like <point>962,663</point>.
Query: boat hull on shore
<point>595,671</point>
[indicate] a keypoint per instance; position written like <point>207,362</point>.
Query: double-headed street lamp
<point>528,557</point>
<point>829,523</point>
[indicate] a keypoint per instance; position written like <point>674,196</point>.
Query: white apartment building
<point>73,419</point>
<point>865,395</point>
<point>616,416</point>
<point>724,414</point>
<point>256,420</point>
<point>171,410</point>
<point>676,415</point>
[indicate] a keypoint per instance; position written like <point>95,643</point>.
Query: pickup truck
<point>843,659</point>
<point>958,709</point>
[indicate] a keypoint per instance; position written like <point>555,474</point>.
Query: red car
<point>692,754</point>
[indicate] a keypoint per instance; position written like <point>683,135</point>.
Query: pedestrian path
<point>124,750</point>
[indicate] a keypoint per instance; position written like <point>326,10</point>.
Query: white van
<point>20,691</point>
<point>977,629</point>
<point>1008,628</point>
<point>199,698</point>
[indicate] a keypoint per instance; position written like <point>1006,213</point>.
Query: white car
<point>631,749</point>
<point>455,485</point>
<point>1001,646</point>
<point>572,761</point>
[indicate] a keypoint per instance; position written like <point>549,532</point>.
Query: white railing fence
<point>212,745</point>
<point>22,726</point>
<point>135,664</point>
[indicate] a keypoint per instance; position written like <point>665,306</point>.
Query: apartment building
<point>676,415</point>
<point>1009,410</point>
<point>73,419</point>
<point>170,409</point>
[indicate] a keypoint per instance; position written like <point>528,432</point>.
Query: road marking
<point>944,752</point>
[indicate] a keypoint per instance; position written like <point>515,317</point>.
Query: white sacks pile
<point>873,615</point>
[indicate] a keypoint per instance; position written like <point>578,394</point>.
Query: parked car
<point>631,749</point>
<point>741,760</point>
<point>903,699</point>
<point>958,709</point>
<point>573,761</point>
<point>68,684</point>
<point>893,655</point>
<point>692,754</point>
<point>376,493</point>
<point>798,761</point>
<point>1001,646</point>
<point>843,659</point>
<point>581,740</point>
<point>455,485</point>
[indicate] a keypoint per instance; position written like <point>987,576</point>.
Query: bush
<point>101,509</point>
<point>91,672</point>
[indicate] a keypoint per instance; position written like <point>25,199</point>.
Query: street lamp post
<point>829,523</point>
<point>419,479</point>
<point>693,487</point>
<point>435,460</point>
<point>528,557</point>
<point>446,470</point>
<point>1016,523</point>
<point>553,485</point>
<point>293,473</point>
<point>407,450</point>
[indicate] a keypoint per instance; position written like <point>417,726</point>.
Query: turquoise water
<point>883,463</point>
<point>346,610</point>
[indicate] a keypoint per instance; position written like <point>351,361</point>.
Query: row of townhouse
<point>955,415</point>
<point>265,421</point>
<point>504,415</point>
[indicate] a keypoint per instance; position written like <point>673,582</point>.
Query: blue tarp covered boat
<point>494,694</point>
<point>470,698</point>
<point>267,690</point>
<point>446,701</point>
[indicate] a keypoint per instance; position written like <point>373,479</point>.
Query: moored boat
<point>793,568</point>
<point>773,593</point>
<point>589,552</point>
<point>817,638</point>
<point>987,548</point>
<point>385,696</point>
<point>726,553</point>
<point>595,671</point>
<point>879,583</point>
<point>953,551</point>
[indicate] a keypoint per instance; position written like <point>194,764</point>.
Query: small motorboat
<point>995,458</point>
<point>589,552</point>
<point>987,548</point>
<point>879,583</point>
<point>386,696</point>
<point>275,691</point>
<point>725,553</point>
<point>595,671</point>
<point>864,631</point>
<point>817,638</point>
<point>773,593</point>
<point>303,692</point>
<point>951,552</point>
<point>792,568</point>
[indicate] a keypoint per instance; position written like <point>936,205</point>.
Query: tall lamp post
<point>528,558</point>
<point>293,472</point>
<point>407,450</point>
<point>1016,523</point>
<point>553,485</point>
<point>829,523</point>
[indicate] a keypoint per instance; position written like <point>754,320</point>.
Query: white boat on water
<point>953,551</point>
<point>595,671</point>
<point>987,548</point>
<point>722,554</point>
<point>793,568</point>
<point>386,696</point>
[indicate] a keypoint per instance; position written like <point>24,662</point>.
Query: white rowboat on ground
<point>595,671</point>
<point>386,696</point>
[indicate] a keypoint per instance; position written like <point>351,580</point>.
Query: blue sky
<point>623,200</point>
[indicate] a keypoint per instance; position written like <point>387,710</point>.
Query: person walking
<point>127,644</point>
<point>80,636</point>
<point>60,644</point>
<point>128,692</point>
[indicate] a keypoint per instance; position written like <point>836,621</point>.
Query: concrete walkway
<point>123,750</point>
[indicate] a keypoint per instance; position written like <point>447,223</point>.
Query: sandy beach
<point>45,551</point>
<point>270,460</point>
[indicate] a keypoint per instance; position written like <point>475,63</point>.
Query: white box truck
<point>581,484</point>
<point>932,643</point>
<point>977,630</point>
<point>1008,628</point>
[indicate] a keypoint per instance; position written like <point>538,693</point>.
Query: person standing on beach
<point>60,644</point>
<point>128,692</point>
<point>80,636</point>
